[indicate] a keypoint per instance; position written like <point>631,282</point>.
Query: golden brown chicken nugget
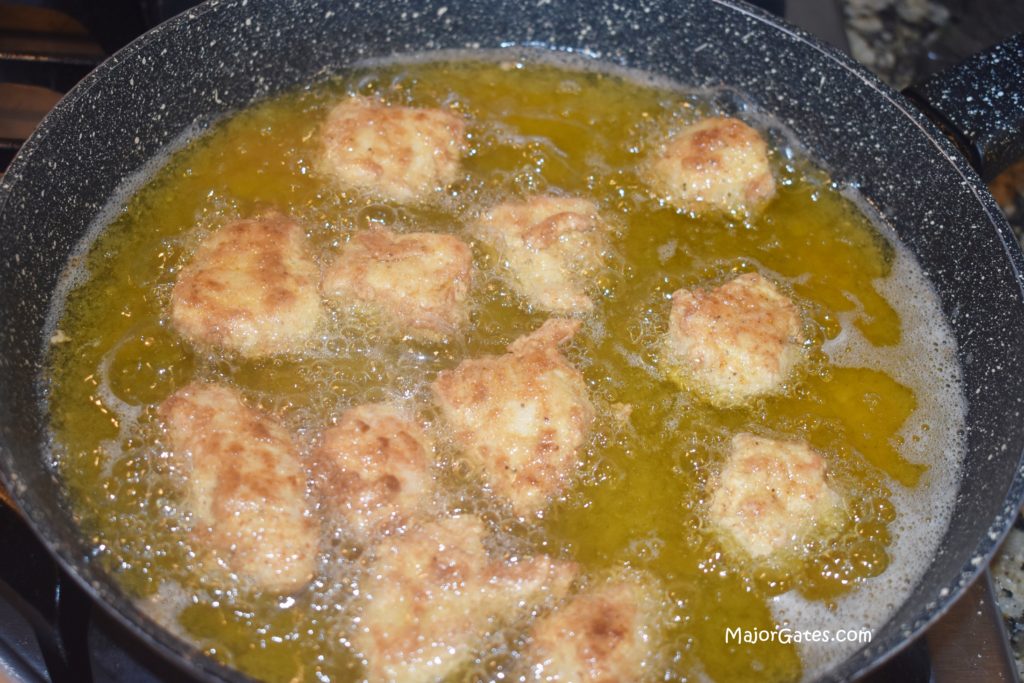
<point>404,154</point>
<point>521,417</point>
<point>739,340</point>
<point>250,287</point>
<point>245,487</point>
<point>418,281</point>
<point>433,595</point>
<point>608,633</point>
<point>772,495</point>
<point>553,247</point>
<point>375,467</point>
<point>716,164</point>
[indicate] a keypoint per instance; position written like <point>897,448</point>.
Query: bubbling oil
<point>878,395</point>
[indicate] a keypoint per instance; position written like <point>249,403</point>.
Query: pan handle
<point>979,104</point>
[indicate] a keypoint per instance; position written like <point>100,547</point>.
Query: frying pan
<point>225,54</point>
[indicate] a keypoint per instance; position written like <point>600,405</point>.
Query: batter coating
<point>522,417</point>
<point>245,487</point>
<point>716,164</point>
<point>553,246</point>
<point>772,495</point>
<point>433,595</point>
<point>374,470</point>
<point>403,154</point>
<point>251,287</point>
<point>734,342</point>
<point>607,634</point>
<point>418,281</point>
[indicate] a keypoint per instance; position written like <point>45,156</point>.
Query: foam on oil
<point>925,361</point>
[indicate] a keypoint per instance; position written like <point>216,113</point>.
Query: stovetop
<point>49,629</point>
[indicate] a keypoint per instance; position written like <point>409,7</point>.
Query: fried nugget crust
<point>374,469</point>
<point>553,247</point>
<point>250,287</point>
<point>418,281</point>
<point>716,164</point>
<point>245,487</point>
<point>403,154</point>
<point>734,342</point>
<point>609,633</point>
<point>522,417</point>
<point>772,495</point>
<point>433,595</point>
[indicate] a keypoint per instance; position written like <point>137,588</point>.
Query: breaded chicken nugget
<point>772,495</point>
<point>552,246</point>
<point>736,341</point>
<point>521,417</point>
<point>245,487</point>
<point>433,595</point>
<point>404,154</point>
<point>250,287</point>
<point>418,281</point>
<point>608,633</point>
<point>374,470</point>
<point>716,164</point>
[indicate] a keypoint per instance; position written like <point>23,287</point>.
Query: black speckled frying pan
<point>224,55</point>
